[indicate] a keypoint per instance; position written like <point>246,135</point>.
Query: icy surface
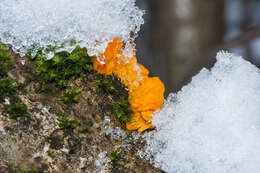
<point>213,123</point>
<point>26,24</point>
<point>116,132</point>
<point>102,159</point>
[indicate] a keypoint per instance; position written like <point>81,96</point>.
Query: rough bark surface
<point>38,143</point>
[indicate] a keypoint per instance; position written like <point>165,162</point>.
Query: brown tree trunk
<point>180,34</point>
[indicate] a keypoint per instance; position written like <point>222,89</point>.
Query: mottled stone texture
<point>38,143</point>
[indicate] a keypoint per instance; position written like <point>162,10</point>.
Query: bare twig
<point>243,39</point>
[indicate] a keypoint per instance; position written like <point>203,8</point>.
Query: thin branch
<point>243,39</point>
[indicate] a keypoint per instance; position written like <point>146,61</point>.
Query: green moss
<point>7,87</point>
<point>47,139</point>
<point>5,62</point>
<point>63,66</point>
<point>73,150</point>
<point>74,145</point>
<point>51,48</point>
<point>26,171</point>
<point>30,79</point>
<point>51,154</point>
<point>17,110</point>
<point>90,102</point>
<point>115,158</point>
<point>73,42</point>
<point>105,85</point>
<point>85,130</point>
<point>89,130</point>
<point>22,87</point>
<point>65,123</point>
<point>123,111</point>
<point>70,96</point>
<point>29,55</point>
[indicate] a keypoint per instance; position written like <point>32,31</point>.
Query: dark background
<point>180,37</point>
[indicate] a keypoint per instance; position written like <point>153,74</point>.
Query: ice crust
<point>92,23</point>
<point>213,123</point>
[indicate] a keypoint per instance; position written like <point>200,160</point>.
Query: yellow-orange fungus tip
<point>145,93</point>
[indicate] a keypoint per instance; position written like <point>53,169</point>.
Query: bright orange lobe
<point>145,93</point>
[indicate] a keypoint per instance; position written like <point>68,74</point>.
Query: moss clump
<point>70,96</point>
<point>65,123</point>
<point>105,85</point>
<point>90,102</point>
<point>63,66</point>
<point>5,63</point>
<point>26,171</point>
<point>123,111</point>
<point>73,42</point>
<point>7,87</point>
<point>115,158</point>
<point>22,87</point>
<point>17,110</point>
<point>85,130</point>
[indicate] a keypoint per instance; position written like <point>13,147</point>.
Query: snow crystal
<point>102,159</point>
<point>212,124</point>
<point>29,25</point>
<point>115,132</point>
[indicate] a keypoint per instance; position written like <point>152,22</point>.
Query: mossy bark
<point>37,142</point>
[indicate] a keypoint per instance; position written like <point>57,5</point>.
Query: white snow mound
<point>26,24</point>
<point>213,123</point>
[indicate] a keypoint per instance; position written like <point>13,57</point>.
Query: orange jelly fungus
<point>145,93</point>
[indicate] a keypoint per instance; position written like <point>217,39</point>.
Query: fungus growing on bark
<point>145,93</point>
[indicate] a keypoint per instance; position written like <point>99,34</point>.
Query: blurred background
<point>180,37</point>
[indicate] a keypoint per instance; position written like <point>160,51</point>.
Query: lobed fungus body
<point>145,93</point>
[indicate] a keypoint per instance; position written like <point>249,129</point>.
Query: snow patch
<point>102,160</point>
<point>116,132</point>
<point>213,123</point>
<point>30,25</point>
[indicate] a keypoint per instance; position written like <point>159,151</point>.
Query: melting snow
<point>213,123</point>
<point>32,24</point>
